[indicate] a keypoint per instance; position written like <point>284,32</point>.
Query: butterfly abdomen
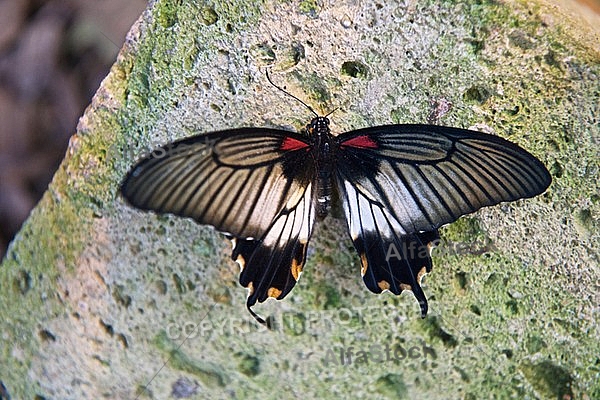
<point>323,194</point>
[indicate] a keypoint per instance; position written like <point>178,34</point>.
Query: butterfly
<point>265,189</point>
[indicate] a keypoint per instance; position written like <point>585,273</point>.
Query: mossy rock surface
<point>96,296</point>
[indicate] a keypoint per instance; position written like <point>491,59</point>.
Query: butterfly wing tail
<point>397,263</point>
<point>268,271</point>
<point>271,265</point>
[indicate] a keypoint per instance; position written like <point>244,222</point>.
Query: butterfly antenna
<point>331,112</point>
<point>289,94</point>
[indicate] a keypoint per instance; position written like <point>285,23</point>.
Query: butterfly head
<point>318,126</point>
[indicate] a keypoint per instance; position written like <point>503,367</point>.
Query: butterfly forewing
<point>426,176</point>
<point>237,181</point>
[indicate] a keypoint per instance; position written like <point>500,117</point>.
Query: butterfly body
<point>322,149</point>
<point>397,184</point>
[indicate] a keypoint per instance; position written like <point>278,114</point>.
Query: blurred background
<point>53,56</point>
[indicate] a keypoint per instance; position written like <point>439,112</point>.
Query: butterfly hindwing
<point>271,266</point>
<point>389,261</point>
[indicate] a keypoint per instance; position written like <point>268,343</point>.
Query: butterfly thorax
<point>324,154</point>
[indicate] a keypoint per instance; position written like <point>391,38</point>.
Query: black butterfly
<point>265,188</point>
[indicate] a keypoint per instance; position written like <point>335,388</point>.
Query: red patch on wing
<point>362,142</point>
<point>293,144</point>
